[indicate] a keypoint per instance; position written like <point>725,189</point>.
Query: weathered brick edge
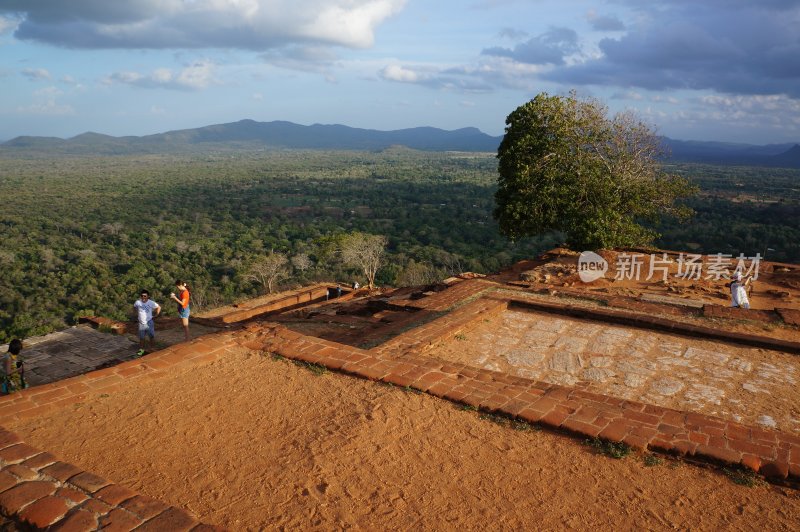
<point>772,453</point>
<point>293,299</point>
<point>37,490</point>
<point>453,295</point>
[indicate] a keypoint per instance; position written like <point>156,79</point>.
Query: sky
<point>725,70</point>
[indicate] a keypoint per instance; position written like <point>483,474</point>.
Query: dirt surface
<point>250,442</point>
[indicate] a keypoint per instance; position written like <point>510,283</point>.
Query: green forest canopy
<point>83,235</point>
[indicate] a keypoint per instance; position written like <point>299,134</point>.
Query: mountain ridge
<point>280,134</point>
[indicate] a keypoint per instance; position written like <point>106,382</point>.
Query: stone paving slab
<point>71,352</point>
<point>743,384</point>
<point>645,318</point>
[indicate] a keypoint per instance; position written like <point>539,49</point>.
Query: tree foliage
<point>364,251</point>
<point>84,235</point>
<point>564,165</point>
<point>269,270</point>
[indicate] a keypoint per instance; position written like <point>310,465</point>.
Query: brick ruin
<point>662,366</point>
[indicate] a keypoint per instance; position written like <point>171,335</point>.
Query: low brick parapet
<point>38,400</point>
<point>38,491</point>
<point>735,313</point>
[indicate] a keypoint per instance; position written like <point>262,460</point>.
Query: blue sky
<point>725,70</point>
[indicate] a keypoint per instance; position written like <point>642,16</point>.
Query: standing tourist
<point>183,306</point>
<point>739,291</point>
<point>144,309</point>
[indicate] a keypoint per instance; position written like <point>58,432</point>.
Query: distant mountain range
<point>774,155</point>
<point>249,134</point>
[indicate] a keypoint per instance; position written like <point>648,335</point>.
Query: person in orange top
<point>183,305</point>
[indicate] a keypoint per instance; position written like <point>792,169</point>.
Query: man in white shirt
<point>144,309</point>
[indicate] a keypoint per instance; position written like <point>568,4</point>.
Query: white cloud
<point>36,74</point>
<point>243,24</point>
<point>752,104</point>
<point>658,98</point>
<point>482,77</point>
<point>196,76</point>
<point>777,112</point>
<point>401,74</point>
<point>257,96</point>
<point>303,58</point>
<point>629,95</point>
<point>45,103</point>
<point>193,77</point>
<point>8,24</point>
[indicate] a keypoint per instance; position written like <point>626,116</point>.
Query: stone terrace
<point>71,352</point>
<point>38,489</point>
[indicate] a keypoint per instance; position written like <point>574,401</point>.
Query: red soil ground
<point>249,442</point>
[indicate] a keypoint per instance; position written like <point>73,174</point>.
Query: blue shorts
<point>184,312</point>
<point>149,329</point>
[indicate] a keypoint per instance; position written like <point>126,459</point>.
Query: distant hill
<point>789,158</point>
<point>249,134</point>
<point>775,155</point>
<point>252,134</point>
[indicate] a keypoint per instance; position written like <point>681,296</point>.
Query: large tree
<point>364,251</point>
<point>566,166</point>
<point>269,270</point>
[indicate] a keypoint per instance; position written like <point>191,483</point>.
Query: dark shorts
<point>183,312</point>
